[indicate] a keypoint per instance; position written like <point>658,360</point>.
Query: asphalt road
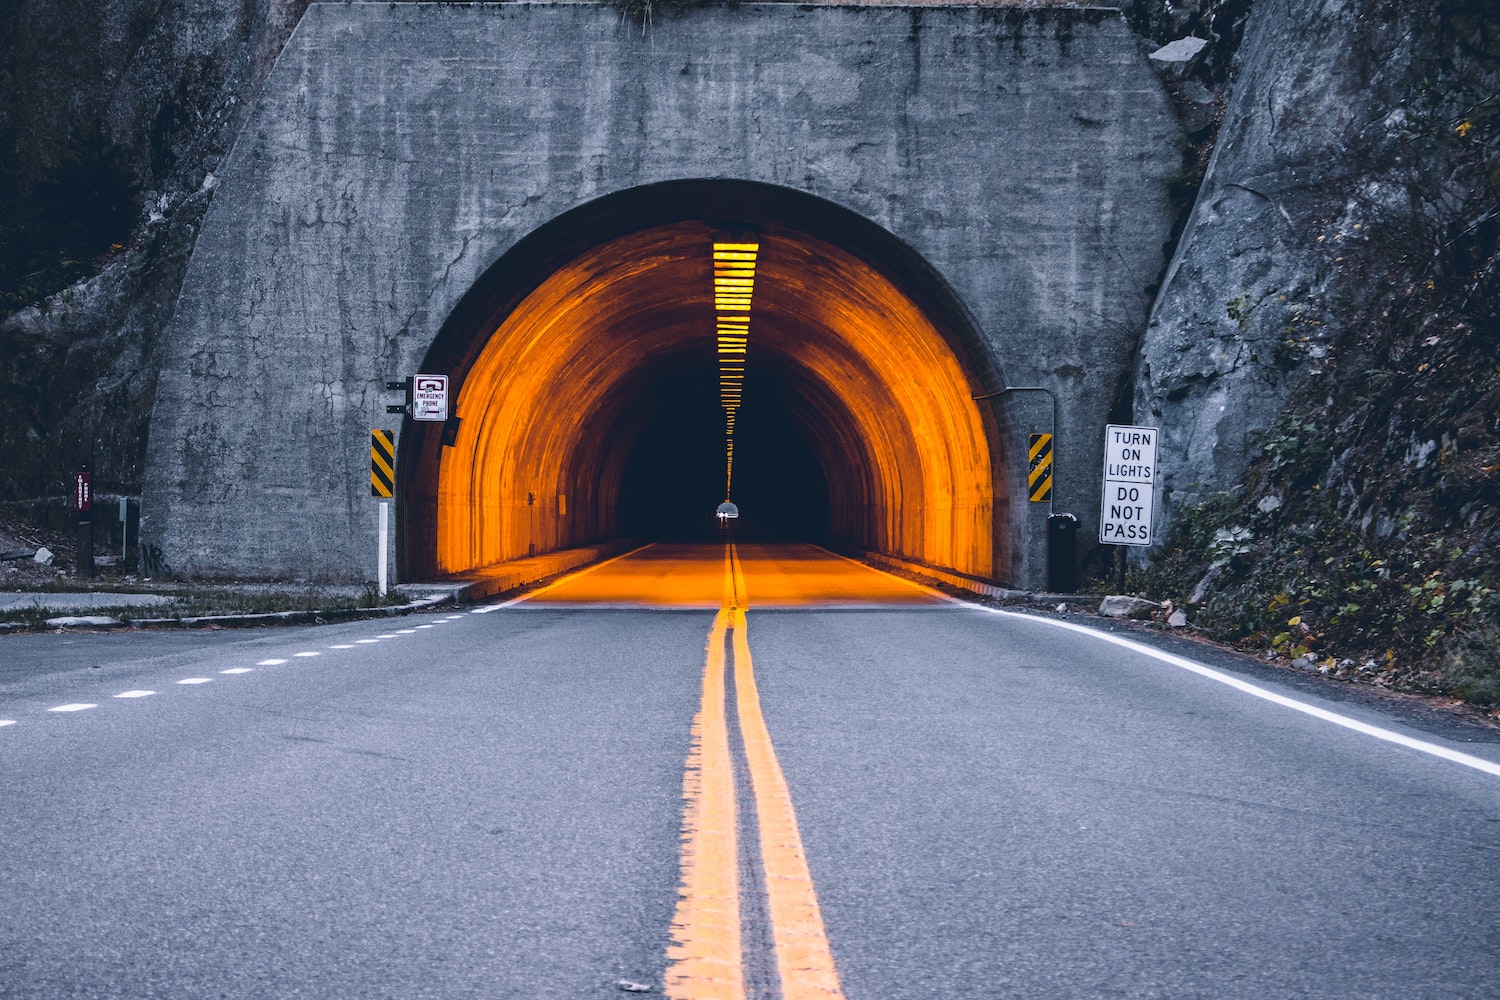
<point>490,803</point>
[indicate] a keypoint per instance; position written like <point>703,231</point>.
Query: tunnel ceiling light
<point>734,287</point>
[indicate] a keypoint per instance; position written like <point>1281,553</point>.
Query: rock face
<point>1125,606</point>
<point>141,98</point>
<point>1239,322</point>
<point>1178,57</point>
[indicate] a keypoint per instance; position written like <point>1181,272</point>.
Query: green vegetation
<point>1367,533</point>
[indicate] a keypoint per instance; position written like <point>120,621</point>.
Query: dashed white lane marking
<point>273,662</point>
<point>1388,735</point>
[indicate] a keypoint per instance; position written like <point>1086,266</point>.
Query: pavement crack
<point>356,751</point>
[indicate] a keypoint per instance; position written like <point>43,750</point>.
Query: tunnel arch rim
<point>735,204</point>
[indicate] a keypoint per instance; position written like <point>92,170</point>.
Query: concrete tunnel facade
<point>950,201</point>
<point>568,359</point>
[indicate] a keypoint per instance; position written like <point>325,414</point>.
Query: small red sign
<point>83,493</point>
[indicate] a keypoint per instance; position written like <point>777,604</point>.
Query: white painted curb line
<point>1379,733</point>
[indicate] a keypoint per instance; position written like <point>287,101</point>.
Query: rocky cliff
<point>1322,357</point>
<point>113,118</point>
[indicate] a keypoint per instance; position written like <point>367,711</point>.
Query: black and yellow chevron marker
<point>382,463</point>
<point>1039,478</point>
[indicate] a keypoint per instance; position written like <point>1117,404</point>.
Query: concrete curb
<point>485,583</point>
<point>316,617</point>
<point>969,583</point>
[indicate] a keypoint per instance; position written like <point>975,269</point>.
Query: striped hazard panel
<point>1039,477</point>
<point>382,463</point>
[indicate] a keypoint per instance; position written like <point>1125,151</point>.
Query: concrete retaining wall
<point>398,150</point>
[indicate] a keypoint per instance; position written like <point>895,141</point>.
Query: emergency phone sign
<point>429,397</point>
<point>1129,485</point>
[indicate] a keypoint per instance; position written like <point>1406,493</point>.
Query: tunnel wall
<point>398,150</point>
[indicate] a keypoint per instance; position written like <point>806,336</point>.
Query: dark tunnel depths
<point>674,473</point>
<point>591,413</point>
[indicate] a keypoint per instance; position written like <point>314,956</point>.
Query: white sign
<point>1129,485</point>
<point>429,397</point>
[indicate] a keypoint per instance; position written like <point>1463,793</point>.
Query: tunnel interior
<point>588,399</point>
<point>677,462</point>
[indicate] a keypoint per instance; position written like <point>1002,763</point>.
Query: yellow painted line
<point>706,958</point>
<point>803,957</point>
<point>706,961</point>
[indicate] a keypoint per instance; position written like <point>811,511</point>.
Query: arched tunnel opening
<point>586,388</point>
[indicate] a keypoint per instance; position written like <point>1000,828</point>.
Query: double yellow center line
<point>708,953</point>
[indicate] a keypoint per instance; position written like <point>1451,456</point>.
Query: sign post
<point>383,551</point>
<point>1129,485</point>
<point>383,486</point>
<point>83,503</point>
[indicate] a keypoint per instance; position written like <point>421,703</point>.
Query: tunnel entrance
<point>585,383</point>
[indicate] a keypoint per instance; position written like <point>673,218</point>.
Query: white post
<point>385,519</point>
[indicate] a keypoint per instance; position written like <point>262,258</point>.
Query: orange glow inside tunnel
<point>768,576</point>
<point>593,411</point>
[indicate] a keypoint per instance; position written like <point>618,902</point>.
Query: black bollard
<point>1062,553</point>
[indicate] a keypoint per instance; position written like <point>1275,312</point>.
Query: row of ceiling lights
<point>734,284</point>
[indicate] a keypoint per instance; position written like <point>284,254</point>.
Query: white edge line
<point>1390,736</point>
<point>7,722</point>
<point>558,582</point>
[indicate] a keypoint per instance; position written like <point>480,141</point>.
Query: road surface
<point>762,773</point>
